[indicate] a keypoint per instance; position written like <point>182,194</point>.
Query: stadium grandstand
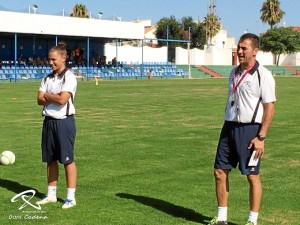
<point>26,41</point>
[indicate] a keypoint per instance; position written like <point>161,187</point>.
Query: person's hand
<point>258,146</point>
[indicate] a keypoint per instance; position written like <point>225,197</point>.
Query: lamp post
<point>35,8</point>
<point>100,15</point>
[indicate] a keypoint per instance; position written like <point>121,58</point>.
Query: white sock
<point>222,213</point>
<point>253,217</point>
<point>71,193</point>
<point>52,191</point>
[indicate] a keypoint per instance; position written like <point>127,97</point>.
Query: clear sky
<point>237,16</point>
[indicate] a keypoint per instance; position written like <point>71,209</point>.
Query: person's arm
<point>59,99</point>
<point>41,99</point>
<point>269,110</point>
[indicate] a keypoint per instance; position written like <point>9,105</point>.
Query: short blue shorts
<point>58,140</point>
<point>233,147</point>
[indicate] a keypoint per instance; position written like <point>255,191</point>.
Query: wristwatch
<point>261,137</point>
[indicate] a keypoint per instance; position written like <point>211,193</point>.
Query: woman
<point>56,95</point>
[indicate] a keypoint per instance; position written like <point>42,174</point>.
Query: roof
<point>150,29</point>
<point>296,29</point>
<point>14,22</point>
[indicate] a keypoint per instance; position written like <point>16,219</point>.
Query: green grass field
<point>144,153</point>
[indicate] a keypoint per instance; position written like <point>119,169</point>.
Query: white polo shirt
<point>241,105</point>
<point>65,81</point>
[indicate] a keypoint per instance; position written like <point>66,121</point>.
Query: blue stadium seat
<point>3,77</point>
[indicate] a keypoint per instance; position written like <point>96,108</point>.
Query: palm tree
<point>80,10</point>
<point>271,12</point>
<point>212,26</point>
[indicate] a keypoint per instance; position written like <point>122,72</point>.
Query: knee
<point>254,179</point>
<point>70,165</point>
<point>220,175</point>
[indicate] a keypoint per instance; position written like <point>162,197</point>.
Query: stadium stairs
<point>293,70</point>
<point>279,70</point>
<point>209,71</point>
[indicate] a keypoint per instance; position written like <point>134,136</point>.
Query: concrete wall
<point>129,54</point>
<point>211,55</point>
<point>293,59</point>
<point>196,56</point>
<point>268,59</point>
<point>217,56</point>
<point>265,58</point>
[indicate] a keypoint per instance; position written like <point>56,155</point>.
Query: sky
<point>237,16</point>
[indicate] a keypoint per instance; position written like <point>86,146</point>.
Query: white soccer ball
<point>4,160</point>
<point>7,158</point>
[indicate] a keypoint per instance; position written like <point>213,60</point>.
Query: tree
<point>197,32</point>
<point>199,36</point>
<point>173,27</point>
<point>178,30</point>
<point>283,40</point>
<point>271,12</point>
<point>212,26</point>
<point>80,10</point>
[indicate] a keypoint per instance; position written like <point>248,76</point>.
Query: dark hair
<point>61,48</point>
<point>253,37</point>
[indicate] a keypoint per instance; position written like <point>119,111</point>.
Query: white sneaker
<point>47,199</point>
<point>69,203</point>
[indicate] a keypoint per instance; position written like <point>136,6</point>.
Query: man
<point>249,113</point>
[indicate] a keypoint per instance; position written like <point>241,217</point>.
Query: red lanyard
<point>235,86</point>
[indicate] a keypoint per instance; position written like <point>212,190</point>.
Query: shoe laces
<point>213,221</point>
<point>45,197</point>
<point>250,223</point>
<point>68,202</point>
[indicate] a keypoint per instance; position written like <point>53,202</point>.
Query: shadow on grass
<point>18,188</point>
<point>169,208</point>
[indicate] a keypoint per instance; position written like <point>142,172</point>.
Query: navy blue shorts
<point>58,138</point>
<point>233,147</point>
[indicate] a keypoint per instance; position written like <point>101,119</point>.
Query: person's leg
<point>222,192</point>
<point>71,174</point>
<point>52,179</point>
<point>66,139</point>
<point>255,196</point>
<point>222,186</point>
<point>52,173</point>
<point>71,178</point>
<point>225,160</point>
<point>243,138</point>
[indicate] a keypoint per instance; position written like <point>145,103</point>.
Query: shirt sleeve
<point>43,86</point>
<point>70,84</point>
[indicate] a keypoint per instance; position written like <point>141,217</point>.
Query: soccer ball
<point>7,158</point>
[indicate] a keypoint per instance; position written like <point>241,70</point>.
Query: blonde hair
<point>61,48</point>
